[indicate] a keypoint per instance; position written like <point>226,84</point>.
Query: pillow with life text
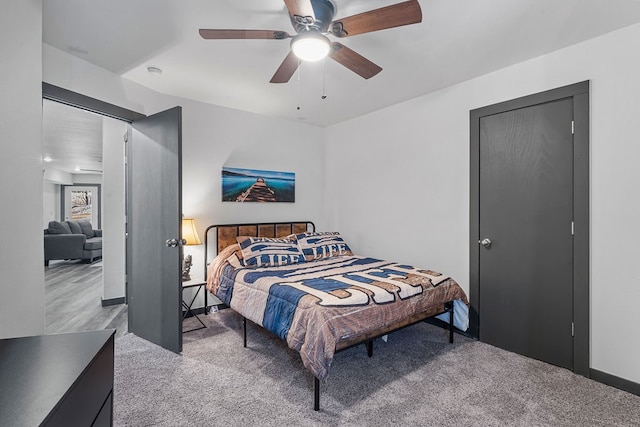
<point>269,252</point>
<point>321,245</point>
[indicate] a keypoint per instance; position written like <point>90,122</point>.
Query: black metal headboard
<point>226,234</point>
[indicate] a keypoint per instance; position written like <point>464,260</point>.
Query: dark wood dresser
<point>57,380</point>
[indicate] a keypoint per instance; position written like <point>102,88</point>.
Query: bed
<point>309,289</point>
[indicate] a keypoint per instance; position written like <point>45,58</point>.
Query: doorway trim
<point>579,93</point>
<point>84,102</point>
<point>78,100</point>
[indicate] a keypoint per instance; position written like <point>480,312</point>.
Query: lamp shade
<point>189,232</point>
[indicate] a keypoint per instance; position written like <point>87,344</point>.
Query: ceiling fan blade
<point>301,11</point>
<point>287,68</point>
<point>396,15</point>
<point>243,34</point>
<point>353,61</point>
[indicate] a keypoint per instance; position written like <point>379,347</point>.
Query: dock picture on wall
<point>253,185</point>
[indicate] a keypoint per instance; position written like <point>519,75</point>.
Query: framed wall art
<point>81,202</point>
<point>253,185</point>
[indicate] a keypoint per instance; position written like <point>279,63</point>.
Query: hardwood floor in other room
<point>73,299</point>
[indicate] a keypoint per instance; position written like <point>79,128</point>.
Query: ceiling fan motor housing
<point>324,11</point>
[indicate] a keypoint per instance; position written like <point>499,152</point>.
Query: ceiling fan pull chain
<point>324,79</point>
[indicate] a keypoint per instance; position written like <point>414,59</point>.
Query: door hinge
<point>573,127</point>
<point>573,228</point>
<point>573,329</point>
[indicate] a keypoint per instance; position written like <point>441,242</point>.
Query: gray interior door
<point>153,217</point>
<point>526,216</point>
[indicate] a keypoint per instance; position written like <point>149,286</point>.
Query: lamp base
<point>186,268</point>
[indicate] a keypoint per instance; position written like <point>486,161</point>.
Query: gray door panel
<point>526,210</point>
<point>154,212</point>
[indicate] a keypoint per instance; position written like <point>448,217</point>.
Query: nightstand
<point>198,284</point>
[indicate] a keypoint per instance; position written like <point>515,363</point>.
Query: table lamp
<point>189,237</point>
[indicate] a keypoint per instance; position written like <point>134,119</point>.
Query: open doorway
<point>153,209</point>
<point>84,181</point>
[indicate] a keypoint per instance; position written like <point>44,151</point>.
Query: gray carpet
<point>416,379</point>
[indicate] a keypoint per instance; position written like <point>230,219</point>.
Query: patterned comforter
<point>316,306</point>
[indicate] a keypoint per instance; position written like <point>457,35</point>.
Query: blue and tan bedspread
<point>320,306</point>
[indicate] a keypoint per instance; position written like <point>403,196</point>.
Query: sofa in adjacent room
<point>72,240</point>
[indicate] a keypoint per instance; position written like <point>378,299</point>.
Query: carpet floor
<point>415,379</point>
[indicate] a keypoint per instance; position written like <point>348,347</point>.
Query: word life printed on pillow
<point>321,245</point>
<point>268,252</point>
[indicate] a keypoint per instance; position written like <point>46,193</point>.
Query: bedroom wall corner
<point>21,184</point>
<point>113,208</point>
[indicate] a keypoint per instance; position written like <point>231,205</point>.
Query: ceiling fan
<point>313,21</point>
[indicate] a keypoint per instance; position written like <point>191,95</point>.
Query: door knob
<point>485,242</point>
<point>172,243</point>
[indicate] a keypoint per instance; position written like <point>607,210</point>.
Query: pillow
<point>74,227</point>
<point>267,252</point>
<point>57,227</point>
<point>322,245</point>
<point>87,229</point>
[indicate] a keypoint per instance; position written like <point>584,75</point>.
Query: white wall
<point>113,208</point>
<point>86,178</point>
<point>403,172</point>
<point>22,257</point>
<point>50,203</point>
<point>214,137</point>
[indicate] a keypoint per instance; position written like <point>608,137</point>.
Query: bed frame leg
<point>244,327</point>
<point>316,394</point>
<point>450,321</point>
<point>369,345</point>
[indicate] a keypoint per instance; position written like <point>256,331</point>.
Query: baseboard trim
<point>613,381</point>
<point>112,301</point>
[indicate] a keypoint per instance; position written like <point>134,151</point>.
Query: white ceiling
<point>457,40</point>
<point>72,139</point>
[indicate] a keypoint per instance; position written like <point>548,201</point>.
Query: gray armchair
<point>72,240</point>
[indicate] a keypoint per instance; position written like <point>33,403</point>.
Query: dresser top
<point>36,372</point>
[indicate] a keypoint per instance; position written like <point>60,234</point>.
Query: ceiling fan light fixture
<point>310,46</point>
